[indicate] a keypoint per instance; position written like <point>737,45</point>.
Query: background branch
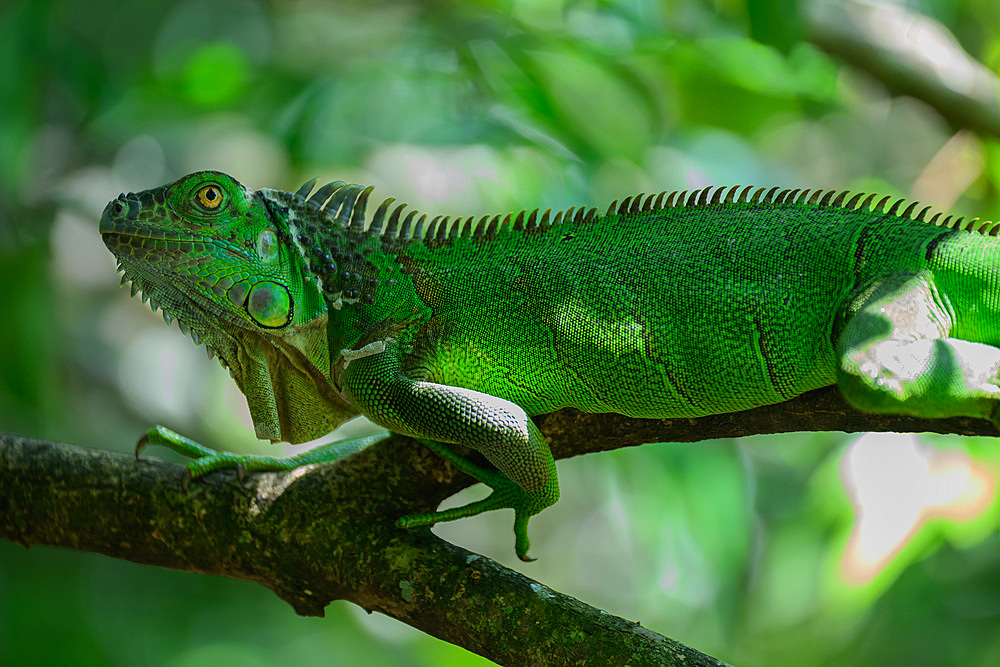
<point>911,55</point>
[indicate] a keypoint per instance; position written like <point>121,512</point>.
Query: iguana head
<point>219,259</point>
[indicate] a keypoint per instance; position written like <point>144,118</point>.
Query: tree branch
<point>314,535</point>
<point>322,533</point>
<point>924,61</point>
<point>571,432</point>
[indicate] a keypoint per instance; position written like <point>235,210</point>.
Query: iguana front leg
<point>373,382</point>
<point>205,460</point>
<point>896,355</point>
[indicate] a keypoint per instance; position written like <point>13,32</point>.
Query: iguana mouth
<point>118,225</point>
<point>153,240</point>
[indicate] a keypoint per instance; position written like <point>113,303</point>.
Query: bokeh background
<point>803,549</point>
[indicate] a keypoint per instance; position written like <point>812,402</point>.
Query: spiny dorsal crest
<point>347,205</point>
<point>713,196</point>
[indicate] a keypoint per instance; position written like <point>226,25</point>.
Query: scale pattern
<point>456,330</point>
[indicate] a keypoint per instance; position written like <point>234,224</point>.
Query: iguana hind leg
<point>896,355</point>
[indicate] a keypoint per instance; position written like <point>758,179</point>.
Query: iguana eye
<point>209,197</point>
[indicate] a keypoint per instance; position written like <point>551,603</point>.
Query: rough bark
<point>325,532</point>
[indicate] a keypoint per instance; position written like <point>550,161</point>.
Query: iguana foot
<point>207,460</point>
<point>506,493</point>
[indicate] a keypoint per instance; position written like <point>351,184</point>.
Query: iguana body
<point>457,330</point>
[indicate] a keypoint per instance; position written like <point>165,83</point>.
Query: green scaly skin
<point>457,331</point>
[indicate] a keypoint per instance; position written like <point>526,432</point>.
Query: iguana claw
<point>142,442</point>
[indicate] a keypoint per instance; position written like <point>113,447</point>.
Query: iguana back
<point>703,307</point>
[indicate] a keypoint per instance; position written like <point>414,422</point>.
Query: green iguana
<point>458,330</point>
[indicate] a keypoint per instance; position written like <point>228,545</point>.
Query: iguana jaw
<point>186,274</point>
<point>144,254</point>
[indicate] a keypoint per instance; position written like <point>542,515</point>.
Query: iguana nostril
<point>117,208</point>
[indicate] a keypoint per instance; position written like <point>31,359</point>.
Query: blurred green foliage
<point>734,547</point>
